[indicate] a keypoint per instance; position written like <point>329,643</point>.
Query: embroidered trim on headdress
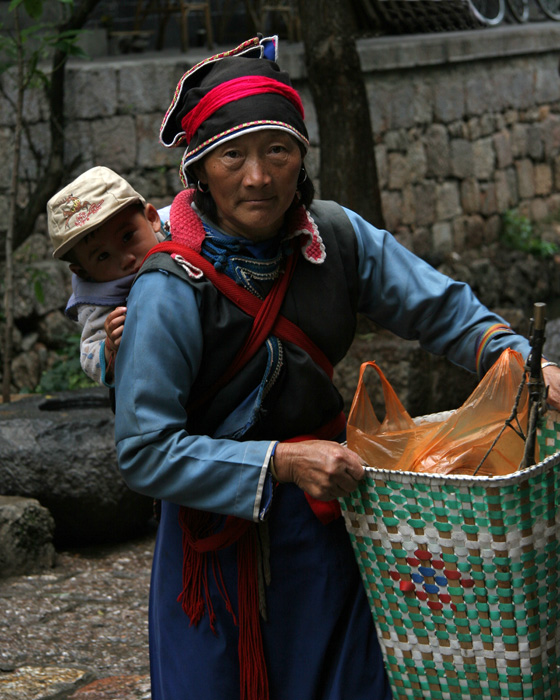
<point>256,46</point>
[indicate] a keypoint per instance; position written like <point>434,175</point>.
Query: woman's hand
<point>323,469</point>
<point>551,377</point>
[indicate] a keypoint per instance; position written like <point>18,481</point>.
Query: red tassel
<point>252,664</point>
<point>195,575</point>
<point>198,542</point>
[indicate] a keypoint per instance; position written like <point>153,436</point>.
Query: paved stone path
<point>78,631</point>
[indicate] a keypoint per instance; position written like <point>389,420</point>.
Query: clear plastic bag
<point>445,443</point>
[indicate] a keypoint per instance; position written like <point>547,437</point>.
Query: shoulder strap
<point>267,319</point>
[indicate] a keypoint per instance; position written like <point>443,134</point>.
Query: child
<point>103,228</point>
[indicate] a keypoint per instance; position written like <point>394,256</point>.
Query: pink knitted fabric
<point>186,226</point>
<point>187,229</point>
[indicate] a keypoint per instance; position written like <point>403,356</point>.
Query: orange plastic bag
<point>455,443</point>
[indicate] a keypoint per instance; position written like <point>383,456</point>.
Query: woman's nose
<point>256,172</point>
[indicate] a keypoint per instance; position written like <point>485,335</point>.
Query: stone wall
<point>467,126</point>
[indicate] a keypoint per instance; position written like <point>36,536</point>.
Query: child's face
<point>116,249</point>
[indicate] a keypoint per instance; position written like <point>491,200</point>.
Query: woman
<point>225,406</point>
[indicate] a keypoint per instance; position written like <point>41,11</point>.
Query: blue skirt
<point>319,638</point>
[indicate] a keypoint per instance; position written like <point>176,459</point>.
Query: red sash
<point>198,539</point>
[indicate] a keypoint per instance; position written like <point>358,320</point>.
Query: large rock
<point>60,450</point>
<point>26,536</point>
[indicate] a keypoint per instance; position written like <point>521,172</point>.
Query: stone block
<point>398,171</point>
<point>547,85</point>
<point>470,195</point>
<point>79,146</point>
<point>26,536</point>
<point>151,154</point>
<point>519,139</point>
<point>416,161</point>
<point>479,94</point>
<point>53,276</point>
<point>391,203</point>
<point>525,183</point>
<point>144,86</point>
<point>381,164</point>
<point>488,202</point>
<point>423,103</point>
<point>425,203</point>
<point>408,206</point>
<point>543,179</point>
<point>539,209</point>
<point>402,107</point>
<point>449,101</point>
<point>535,144</point>
<point>379,99</point>
<point>551,136</point>
<point>114,143</point>
<point>518,86</point>
<point>422,242</point>
<point>437,151</point>
<point>91,91</point>
<point>484,159</point>
<point>447,201</point>
<point>462,161</point>
<point>557,173</point>
<point>504,196</point>
<point>502,148</point>
<point>442,237</point>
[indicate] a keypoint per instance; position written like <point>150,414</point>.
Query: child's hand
<point>114,324</point>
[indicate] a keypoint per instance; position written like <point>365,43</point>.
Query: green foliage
<point>38,41</point>
<point>518,234</point>
<point>66,374</point>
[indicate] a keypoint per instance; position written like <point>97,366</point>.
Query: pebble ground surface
<point>78,631</point>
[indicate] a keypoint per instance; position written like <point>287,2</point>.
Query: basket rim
<point>467,479</point>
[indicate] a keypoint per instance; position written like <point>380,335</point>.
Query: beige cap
<point>85,204</point>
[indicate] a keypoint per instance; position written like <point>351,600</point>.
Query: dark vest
<point>322,300</point>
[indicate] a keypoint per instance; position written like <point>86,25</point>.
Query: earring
<point>200,187</point>
<point>302,176</point>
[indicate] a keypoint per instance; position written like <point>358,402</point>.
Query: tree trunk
<point>52,178</point>
<point>9,265</point>
<point>348,171</point>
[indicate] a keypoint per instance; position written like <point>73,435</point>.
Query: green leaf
<point>15,3</point>
<point>34,8</point>
<point>39,292</point>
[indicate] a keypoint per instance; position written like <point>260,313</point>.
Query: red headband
<point>231,91</point>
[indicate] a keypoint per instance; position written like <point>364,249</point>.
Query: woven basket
<point>462,577</point>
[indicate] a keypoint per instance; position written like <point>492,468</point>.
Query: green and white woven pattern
<point>462,577</point>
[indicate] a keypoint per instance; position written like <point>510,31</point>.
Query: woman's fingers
<point>323,469</point>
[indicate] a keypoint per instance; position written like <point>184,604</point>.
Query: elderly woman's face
<point>253,181</point>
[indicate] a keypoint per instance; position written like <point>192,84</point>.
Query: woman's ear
<point>199,172</point>
<point>152,215</point>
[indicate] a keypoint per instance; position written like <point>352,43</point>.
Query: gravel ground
<point>79,630</point>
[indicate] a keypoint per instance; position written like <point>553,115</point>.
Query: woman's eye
<point>231,154</point>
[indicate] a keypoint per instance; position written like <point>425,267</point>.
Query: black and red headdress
<point>228,95</point>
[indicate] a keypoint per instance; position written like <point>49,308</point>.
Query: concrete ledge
<point>416,50</point>
<point>384,53</point>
